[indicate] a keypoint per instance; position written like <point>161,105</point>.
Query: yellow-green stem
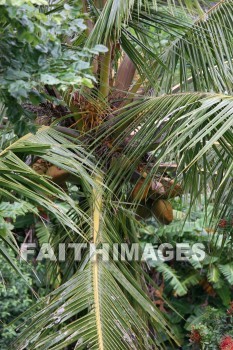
<point>105,73</point>
<point>97,206</point>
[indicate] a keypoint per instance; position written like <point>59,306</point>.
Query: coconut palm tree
<point>159,115</point>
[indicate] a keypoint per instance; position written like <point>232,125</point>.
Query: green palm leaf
<point>17,178</point>
<point>203,55</point>
<point>192,130</point>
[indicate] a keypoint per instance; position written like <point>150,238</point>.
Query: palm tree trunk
<point>124,78</point>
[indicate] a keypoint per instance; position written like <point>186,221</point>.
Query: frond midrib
<point>97,204</point>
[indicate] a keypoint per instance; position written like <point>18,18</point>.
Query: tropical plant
<point>15,299</point>
<point>16,295</point>
<point>32,55</point>
<point>120,138</point>
<point>213,330</point>
<point>191,286</point>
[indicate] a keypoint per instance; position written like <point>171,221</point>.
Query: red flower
<point>222,223</point>
<point>226,343</point>
<point>195,336</point>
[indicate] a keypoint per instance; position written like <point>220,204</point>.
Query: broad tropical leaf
<point>171,278</point>
<point>227,271</point>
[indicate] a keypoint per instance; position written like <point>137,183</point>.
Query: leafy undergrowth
<point>201,292</point>
<point>16,296</point>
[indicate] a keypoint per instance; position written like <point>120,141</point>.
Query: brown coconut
<point>162,210</point>
<point>141,190</point>
<point>59,176</point>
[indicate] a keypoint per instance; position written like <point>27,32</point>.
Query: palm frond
<point>192,130</point>
<point>202,58</point>
<point>102,306</point>
<point>138,39</point>
<point>18,178</point>
<point>130,23</point>
<point>112,323</point>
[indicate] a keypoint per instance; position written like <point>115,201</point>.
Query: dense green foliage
<point>16,298</point>
<point>213,329</point>
<point>191,286</point>
<point>35,51</point>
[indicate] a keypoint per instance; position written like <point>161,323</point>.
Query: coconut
<point>162,210</point>
<point>141,190</point>
<point>59,176</point>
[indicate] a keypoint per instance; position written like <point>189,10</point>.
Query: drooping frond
<point>103,305</point>
<point>203,56</point>
<point>18,178</point>
<point>112,323</point>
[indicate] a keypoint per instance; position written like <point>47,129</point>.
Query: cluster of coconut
<point>153,195</point>
<point>154,198</point>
